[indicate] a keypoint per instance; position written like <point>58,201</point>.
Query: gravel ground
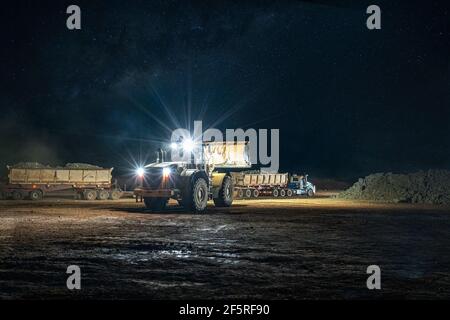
<point>276,249</point>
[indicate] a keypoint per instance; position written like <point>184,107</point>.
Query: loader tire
<point>197,197</point>
<point>36,195</point>
<point>225,198</point>
<point>103,195</point>
<point>155,204</point>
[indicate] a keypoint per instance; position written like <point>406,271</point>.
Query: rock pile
<point>432,186</point>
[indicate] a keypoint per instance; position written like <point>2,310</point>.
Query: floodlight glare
<point>166,172</point>
<point>140,172</point>
<point>188,145</point>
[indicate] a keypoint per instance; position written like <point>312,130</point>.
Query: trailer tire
<point>240,193</point>
<point>289,193</point>
<point>2,195</point>
<point>275,193</point>
<point>155,204</point>
<point>17,195</point>
<point>89,194</point>
<point>255,193</point>
<point>36,195</point>
<point>225,198</point>
<point>103,195</point>
<point>115,194</point>
<point>283,193</point>
<point>196,198</point>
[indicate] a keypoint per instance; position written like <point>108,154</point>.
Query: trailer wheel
<point>2,195</point>
<point>289,193</point>
<point>196,198</point>
<point>155,204</point>
<point>89,194</point>
<point>36,195</point>
<point>275,193</point>
<point>241,193</point>
<point>310,193</point>
<point>282,193</point>
<point>248,193</point>
<point>256,193</point>
<point>103,195</point>
<point>225,198</point>
<point>116,194</point>
<point>17,195</point>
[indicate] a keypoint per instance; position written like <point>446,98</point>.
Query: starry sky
<point>348,101</point>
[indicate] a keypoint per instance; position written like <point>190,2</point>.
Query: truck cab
<point>300,185</point>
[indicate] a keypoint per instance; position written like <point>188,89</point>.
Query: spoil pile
<point>432,186</point>
<point>36,165</point>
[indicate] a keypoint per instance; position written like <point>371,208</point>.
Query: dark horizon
<point>348,101</point>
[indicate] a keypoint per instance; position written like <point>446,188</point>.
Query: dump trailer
<point>34,181</point>
<point>257,184</point>
<point>192,182</point>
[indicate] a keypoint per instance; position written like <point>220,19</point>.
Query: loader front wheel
<point>225,198</point>
<point>155,204</point>
<point>198,197</point>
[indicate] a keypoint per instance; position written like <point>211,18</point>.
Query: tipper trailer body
<point>34,182</point>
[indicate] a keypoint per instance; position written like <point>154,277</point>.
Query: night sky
<point>348,101</point>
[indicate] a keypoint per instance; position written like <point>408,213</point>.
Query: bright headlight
<point>140,172</point>
<point>174,146</point>
<point>166,172</point>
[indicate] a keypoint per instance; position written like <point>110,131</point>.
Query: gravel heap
<point>432,186</point>
<point>36,165</point>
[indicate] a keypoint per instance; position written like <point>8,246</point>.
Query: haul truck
<point>192,183</point>
<point>254,185</point>
<point>33,181</point>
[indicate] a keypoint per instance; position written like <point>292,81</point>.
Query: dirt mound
<point>29,165</point>
<point>432,186</point>
<point>82,166</point>
<point>36,165</point>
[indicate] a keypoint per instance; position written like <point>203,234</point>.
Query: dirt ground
<point>277,249</point>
